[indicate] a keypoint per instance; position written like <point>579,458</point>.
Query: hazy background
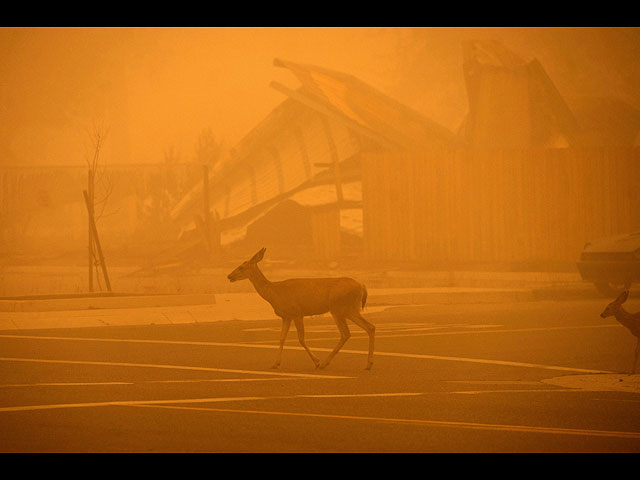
<point>158,88</point>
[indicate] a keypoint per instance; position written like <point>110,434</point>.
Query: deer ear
<point>258,256</point>
<point>622,297</point>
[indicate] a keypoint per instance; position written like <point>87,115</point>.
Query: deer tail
<point>364,296</point>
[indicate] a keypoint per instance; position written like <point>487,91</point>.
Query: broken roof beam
<point>324,110</point>
<point>561,109</point>
<point>411,131</point>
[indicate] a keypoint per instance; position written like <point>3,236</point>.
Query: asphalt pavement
<point>505,376</point>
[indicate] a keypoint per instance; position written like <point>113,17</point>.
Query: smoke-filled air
<point>319,239</point>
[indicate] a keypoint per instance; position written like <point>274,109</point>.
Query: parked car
<point>611,263</point>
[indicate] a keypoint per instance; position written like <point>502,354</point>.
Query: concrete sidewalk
<point>46,303</point>
<point>377,296</point>
<point>24,280</point>
<point>141,310</point>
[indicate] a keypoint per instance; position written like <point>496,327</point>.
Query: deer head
<point>245,269</point>
<point>614,306</point>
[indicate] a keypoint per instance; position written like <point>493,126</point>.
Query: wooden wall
<point>517,205</point>
<point>325,228</point>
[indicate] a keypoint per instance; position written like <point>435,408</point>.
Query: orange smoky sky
<point>156,89</point>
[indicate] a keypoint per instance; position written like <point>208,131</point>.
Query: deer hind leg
<point>300,328</point>
<point>368,327</point>
<point>344,336</point>
<point>286,323</point>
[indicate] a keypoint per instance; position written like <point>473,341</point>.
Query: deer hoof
<point>369,365</point>
<point>275,366</point>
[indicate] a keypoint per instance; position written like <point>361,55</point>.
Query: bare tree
<point>97,175</point>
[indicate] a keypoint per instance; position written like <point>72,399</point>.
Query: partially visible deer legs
<point>635,358</point>
<point>359,320</point>
<point>286,323</point>
<point>344,336</point>
<point>355,317</point>
<point>300,329</point>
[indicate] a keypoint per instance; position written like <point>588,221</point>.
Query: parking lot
<point>541,376</point>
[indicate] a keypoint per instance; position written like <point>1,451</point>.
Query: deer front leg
<point>300,328</point>
<point>286,323</point>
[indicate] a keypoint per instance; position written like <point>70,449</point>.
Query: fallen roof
<point>364,107</point>
<point>249,180</point>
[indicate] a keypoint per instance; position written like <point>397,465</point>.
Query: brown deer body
<point>629,320</point>
<point>296,298</point>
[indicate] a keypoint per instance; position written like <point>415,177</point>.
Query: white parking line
<point>98,384</point>
<point>513,390</point>
<point>167,404</point>
<point>432,423</point>
<point>174,367</point>
<point>62,384</point>
<point>22,408</point>
<point>459,332</point>
<point>357,352</point>
<point>481,360</point>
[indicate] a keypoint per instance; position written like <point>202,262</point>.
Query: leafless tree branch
<point>97,137</point>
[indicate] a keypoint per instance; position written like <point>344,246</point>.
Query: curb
<point>48,303</point>
<point>83,311</point>
<point>377,297</point>
<point>42,280</point>
<point>448,295</point>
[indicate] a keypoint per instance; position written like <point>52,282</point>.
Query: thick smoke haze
<point>319,239</point>
<point>156,89</point>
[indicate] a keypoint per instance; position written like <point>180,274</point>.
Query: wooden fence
<point>469,206</point>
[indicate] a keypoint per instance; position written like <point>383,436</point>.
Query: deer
<point>629,320</point>
<point>296,298</point>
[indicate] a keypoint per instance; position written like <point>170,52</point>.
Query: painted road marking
<point>23,408</point>
<point>513,390</point>
<point>504,330</point>
<point>194,400</point>
<point>358,334</point>
<point>174,367</point>
<point>357,352</point>
<point>496,382</point>
<point>480,360</point>
<point>434,423</point>
<point>396,326</point>
<point>89,384</point>
<point>59,384</point>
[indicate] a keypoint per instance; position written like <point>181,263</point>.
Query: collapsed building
<point>293,183</point>
<point>513,103</point>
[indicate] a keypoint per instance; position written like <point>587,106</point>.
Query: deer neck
<point>623,316</point>
<point>260,283</point>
